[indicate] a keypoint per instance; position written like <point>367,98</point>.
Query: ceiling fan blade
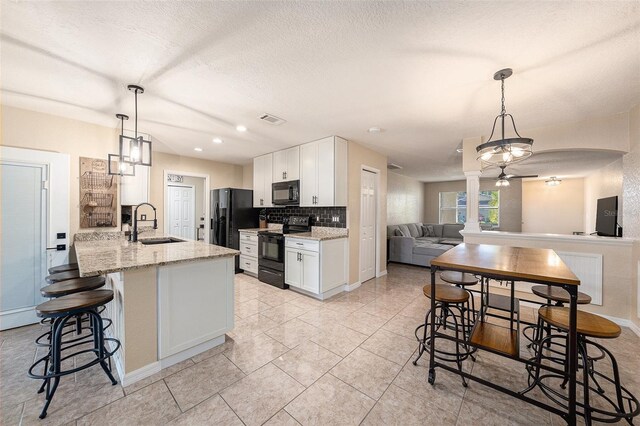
<point>522,177</point>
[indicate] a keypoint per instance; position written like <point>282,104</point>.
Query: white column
<point>473,190</point>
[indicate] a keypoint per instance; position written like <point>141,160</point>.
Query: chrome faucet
<point>134,233</point>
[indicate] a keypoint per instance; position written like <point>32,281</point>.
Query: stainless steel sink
<point>153,241</point>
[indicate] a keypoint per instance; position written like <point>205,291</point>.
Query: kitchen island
<point>172,300</point>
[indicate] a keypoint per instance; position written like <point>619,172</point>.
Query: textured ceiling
<point>422,71</point>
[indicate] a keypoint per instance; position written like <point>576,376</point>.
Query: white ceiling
<point>422,71</point>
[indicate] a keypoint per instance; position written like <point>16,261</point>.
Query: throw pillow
<point>428,231</point>
<point>398,233</point>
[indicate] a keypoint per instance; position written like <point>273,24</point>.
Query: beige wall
<point>405,199</point>
<point>553,209</point>
<point>360,156</point>
<point>510,201</point>
<point>631,207</point>
<point>247,176</point>
<point>29,129</point>
<point>605,182</point>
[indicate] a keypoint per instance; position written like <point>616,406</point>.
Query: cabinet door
<point>292,268</point>
<point>258,182</point>
<point>308,174</point>
<point>326,175</point>
<point>268,180</point>
<point>135,189</point>
<point>280,166</point>
<point>293,163</point>
<point>310,271</point>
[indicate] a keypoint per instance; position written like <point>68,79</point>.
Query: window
<point>453,208</point>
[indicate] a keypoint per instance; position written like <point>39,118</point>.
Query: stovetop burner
<point>292,225</point>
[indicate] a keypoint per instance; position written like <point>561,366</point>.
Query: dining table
<point>512,265</point>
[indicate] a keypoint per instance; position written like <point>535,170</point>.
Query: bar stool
<point>463,280</point>
<point>62,276</point>
<point>63,268</point>
<point>60,311</point>
<point>65,288</point>
<point>589,326</point>
<point>551,294</point>
<point>448,298</point>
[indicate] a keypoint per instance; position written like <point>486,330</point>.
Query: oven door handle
<point>269,272</point>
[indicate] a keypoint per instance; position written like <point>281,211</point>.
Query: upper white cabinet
<point>135,189</point>
<point>323,173</point>
<point>262,180</point>
<point>286,164</point>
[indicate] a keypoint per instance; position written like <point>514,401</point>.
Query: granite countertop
<point>272,227</point>
<point>103,256</point>
<point>321,233</point>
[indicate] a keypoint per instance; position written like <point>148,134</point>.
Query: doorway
<point>368,223</point>
<point>182,208</point>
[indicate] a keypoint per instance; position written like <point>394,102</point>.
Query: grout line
<point>173,396</point>
<point>228,405</point>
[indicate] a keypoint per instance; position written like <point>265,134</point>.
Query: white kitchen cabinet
<point>323,173</point>
<point>317,267</point>
<point>286,165</point>
<point>249,252</point>
<point>135,189</point>
<point>262,180</point>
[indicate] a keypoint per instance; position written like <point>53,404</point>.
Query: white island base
<point>163,315</point>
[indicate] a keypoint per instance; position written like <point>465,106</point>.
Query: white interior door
<point>368,193</point>
<point>24,241</point>
<point>182,206</point>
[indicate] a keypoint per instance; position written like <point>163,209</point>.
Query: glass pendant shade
<point>502,182</point>
<point>504,151</point>
<point>553,181</point>
<point>135,151</point>
<point>119,166</point>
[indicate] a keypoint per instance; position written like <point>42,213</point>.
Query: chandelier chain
<point>504,110</point>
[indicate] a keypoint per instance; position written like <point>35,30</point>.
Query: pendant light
<point>504,151</point>
<point>117,164</point>
<point>553,181</point>
<point>135,150</point>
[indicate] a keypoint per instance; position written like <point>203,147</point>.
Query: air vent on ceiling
<point>393,166</point>
<point>272,119</point>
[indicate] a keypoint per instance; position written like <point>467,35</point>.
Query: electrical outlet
<point>317,218</point>
<point>143,217</point>
<point>335,219</point>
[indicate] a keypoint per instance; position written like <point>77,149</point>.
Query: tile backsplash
<point>320,216</point>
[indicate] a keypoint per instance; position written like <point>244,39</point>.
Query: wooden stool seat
<point>74,302</point>
<point>558,294</point>
<point>458,278</point>
<point>63,268</point>
<point>447,293</point>
<point>590,325</point>
<point>62,276</point>
<point>72,286</point>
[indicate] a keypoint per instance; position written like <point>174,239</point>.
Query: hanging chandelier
<point>553,181</point>
<point>132,151</point>
<point>117,163</point>
<point>504,151</point>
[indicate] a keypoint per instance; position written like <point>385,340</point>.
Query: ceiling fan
<point>503,178</point>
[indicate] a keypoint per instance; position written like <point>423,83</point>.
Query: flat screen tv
<point>607,217</point>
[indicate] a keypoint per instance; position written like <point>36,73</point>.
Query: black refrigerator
<point>231,210</point>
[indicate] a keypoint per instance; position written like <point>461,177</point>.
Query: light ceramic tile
<point>339,339</point>
<point>251,307</point>
<point>322,317</point>
<point>228,343</point>
<point>330,401</point>
<point>193,385</point>
<point>363,322</point>
<point>251,354</point>
<point>257,397</point>
<point>250,326</point>
<point>403,326</point>
<point>307,362</point>
<point>282,418</point>
<point>150,405</point>
<point>390,346</point>
<point>158,376</point>
<point>292,332</point>
<point>367,372</point>
<point>213,411</point>
<point>283,313</point>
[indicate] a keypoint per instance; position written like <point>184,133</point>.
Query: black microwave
<point>286,193</point>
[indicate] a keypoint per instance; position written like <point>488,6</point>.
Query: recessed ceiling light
<point>375,130</point>
<point>241,128</point>
<point>217,140</point>
<point>197,149</point>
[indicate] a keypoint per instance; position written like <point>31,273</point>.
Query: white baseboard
<point>139,374</point>
<point>191,352</point>
<point>381,274</point>
<point>634,328</point>
<point>352,286</point>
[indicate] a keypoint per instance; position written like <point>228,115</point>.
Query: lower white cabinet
<point>315,266</point>
<point>249,252</point>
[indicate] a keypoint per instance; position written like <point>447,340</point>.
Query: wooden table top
<point>513,263</point>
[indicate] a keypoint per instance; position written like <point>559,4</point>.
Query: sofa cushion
<point>431,240</point>
<point>428,249</point>
<point>415,229</point>
<point>451,241</point>
<point>398,233</point>
<point>428,231</point>
<point>437,228</point>
<point>452,230</point>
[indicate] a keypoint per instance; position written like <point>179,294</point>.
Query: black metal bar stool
<point>552,294</point>
<point>463,280</point>
<point>448,298</point>
<point>62,310</point>
<point>62,276</point>
<point>620,403</point>
<point>64,288</point>
<point>63,268</point>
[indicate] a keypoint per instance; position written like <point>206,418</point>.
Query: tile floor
<point>294,360</point>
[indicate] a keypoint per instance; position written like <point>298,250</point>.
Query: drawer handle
<point>300,244</point>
